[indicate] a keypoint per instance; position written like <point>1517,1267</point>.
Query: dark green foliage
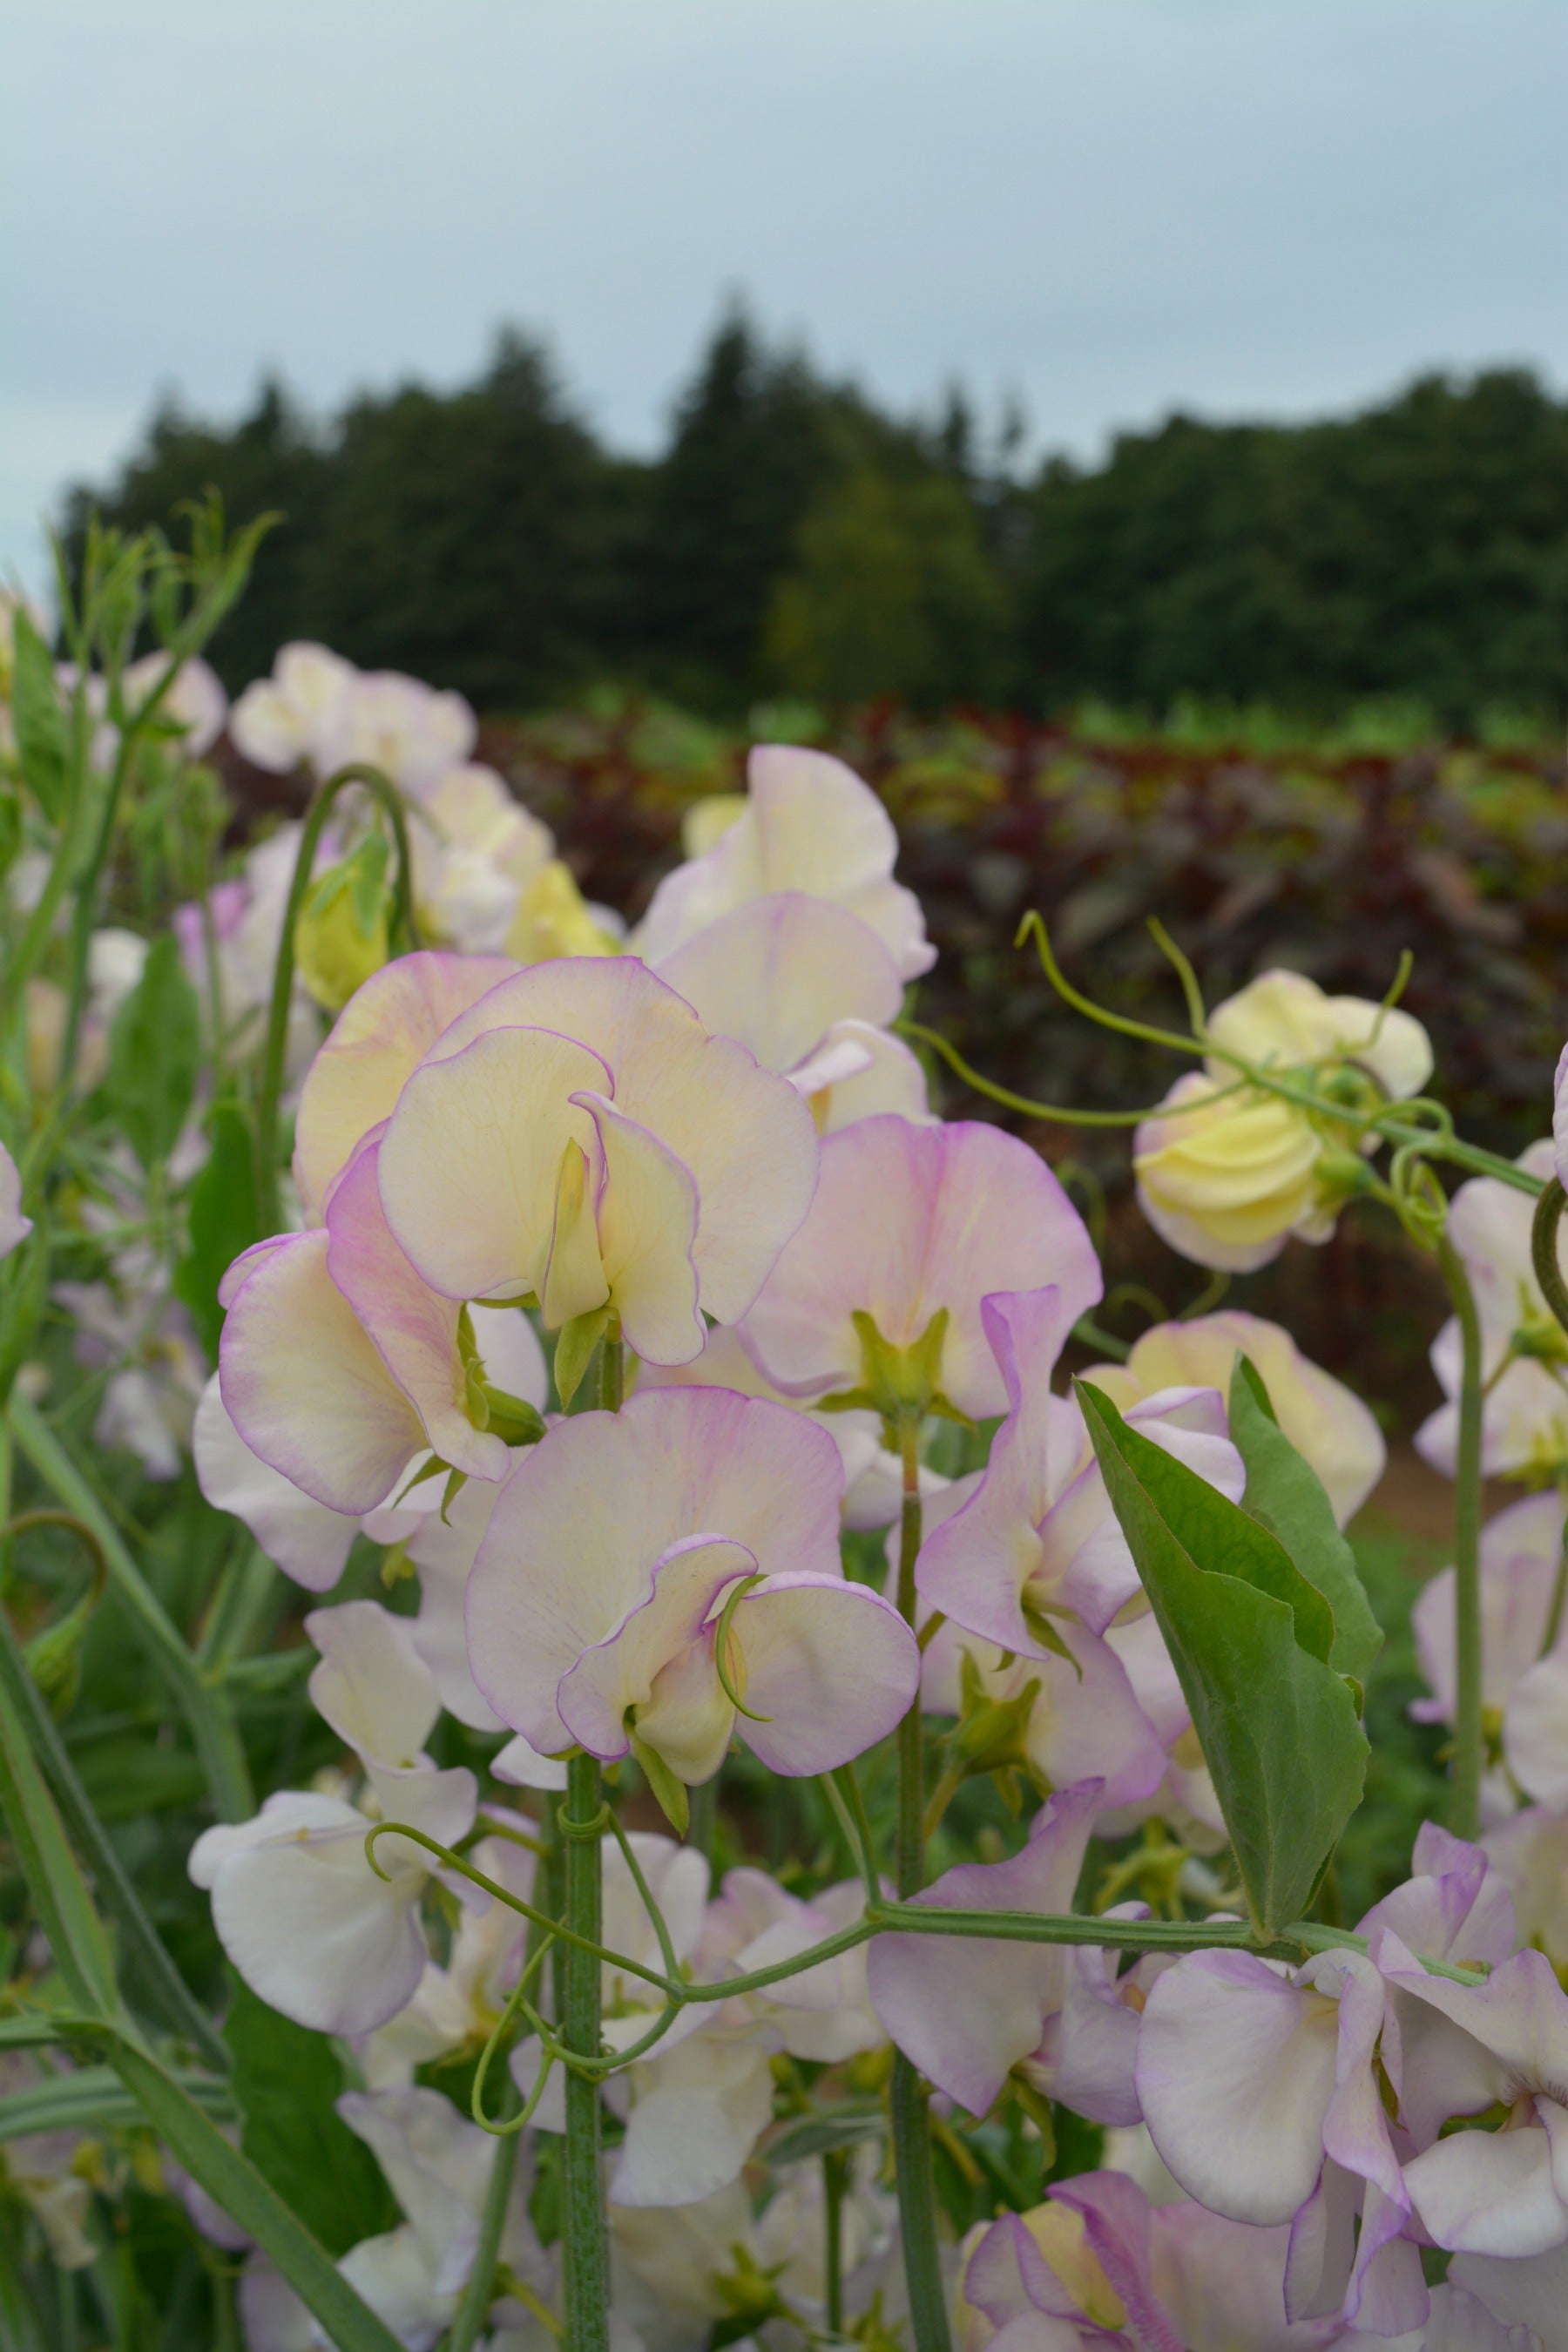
<point>1421,547</point>
<point>222,1219</point>
<point>155,1053</point>
<point>286,2080</point>
<point>794,537</point>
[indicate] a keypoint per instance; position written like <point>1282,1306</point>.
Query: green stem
<point>1469,1734</point>
<point>587,2267</point>
<point>910,2120</point>
<point>834,2179</point>
<point>479,2293</point>
<point>207,1709</point>
<point>612,1367</point>
<point>271,1089</point>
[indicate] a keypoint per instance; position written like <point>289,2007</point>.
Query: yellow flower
<point>1224,1176</point>
<point>552,921</point>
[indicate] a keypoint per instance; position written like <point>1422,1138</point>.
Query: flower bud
<point>342,934</point>
<point>1224,1175</point>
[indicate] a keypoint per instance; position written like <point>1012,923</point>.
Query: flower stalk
<point>1469,1737</point>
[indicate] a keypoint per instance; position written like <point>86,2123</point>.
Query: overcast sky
<point>1107,208</point>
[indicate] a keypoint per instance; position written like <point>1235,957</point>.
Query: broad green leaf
<point>223,1219</point>
<point>1285,1494</point>
<point>574,1348</point>
<point>252,2201</point>
<point>287,2080</point>
<point>1249,1639</point>
<point>37,717</point>
<point>154,1054</point>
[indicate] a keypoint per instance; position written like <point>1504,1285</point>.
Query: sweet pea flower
<point>1094,2264</point>
<point>438,2168</point>
<point>624,1547</point>
<point>1329,1426</point>
<point>196,701</point>
<point>1521,1552</point>
<point>808,824</point>
<point>14,1226</point>
<point>474,851</point>
<point>1507,2305</point>
<point>409,730</point>
<point>577,1136</point>
<point>1524,1350</point>
<point>967,2010</point>
<point>1079,1717</point>
<point>310,1926</point>
<point>1528,1851</point>
<point>1505,2045</point>
<point>1227,1173</point>
<point>695,2109</point>
<point>873,1478</point>
<point>149,1397</point>
<point>282,722</point>
<point>811,990</point>
<point>1036,1539</point>
<point>910,1222</point>
<point>338,1365</point>
<point>454,2007</point>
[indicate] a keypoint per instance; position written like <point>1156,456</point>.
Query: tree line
<point>796,539</point>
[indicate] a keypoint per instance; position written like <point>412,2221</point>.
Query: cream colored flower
<point>1226,1173</point>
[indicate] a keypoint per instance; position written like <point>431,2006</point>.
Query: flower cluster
<point>801,1807</point>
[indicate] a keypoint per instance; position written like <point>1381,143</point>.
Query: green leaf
<point>94,2099</point>
<point>575,1351</point>
<point>154,1054</point>
<point>1249,1639</point>
<point>223,1219</point>
<point>823,2135</point>
<point>674,1800</point>
<point>287,2080</point>
<point>55,1886</point>
<point>251,2198</point>
<point>37,717</point>
<point>1285,1494</point>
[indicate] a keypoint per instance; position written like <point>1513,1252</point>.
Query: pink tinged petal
<point>966,2009</point>
<point>1520,2016</point>
<point>778,971</point>
<point>412,1327</point>
<point>371,1687</point>
<point>647,1221</point>
<point>305,1387</point>
<point>524,1768</point>
<point>688,1719</point>
<point>890,1080</point>
<point>1087,1725</point>
<point>618,1674</point>
<point>975,1566</point>
<point>378,1041</point>
<point>747,1138</point>
<point>1116,2219</point>
<point>232,1281</point>
<point>1236,2070</point>
<point>585,1515</point>
<point>1221,2283</point>
<point>1008,2278</point>
<point>442,1548</point>
<point>1521,1551</point>
<point>1097,2042</point>
<point>907,1220</point>
<point>1530,2295</point>
<point>1535,1732</point>
<point>14,1226</point>
<point>471,1157</point>
<point>1321,2251</point>
<point>1456,1906</point>
<point>1489,2193</point>
<point>1459,2324</point>
<point>831,1666</point>
<point>302,1536</point>
<point>1387,2291</point>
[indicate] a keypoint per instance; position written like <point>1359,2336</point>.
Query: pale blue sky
<point>1105,206</point>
